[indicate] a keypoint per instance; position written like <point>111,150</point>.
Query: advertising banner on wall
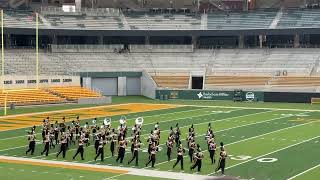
<point>207,95</point>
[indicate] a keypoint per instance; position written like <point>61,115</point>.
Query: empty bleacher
<point>213,81</point>
<point>173,80</point>
<point>295,81</point>
<point>28,97</point>
<point>241,20</point>
<point>298,18</point>
<point>73,92</point>
<point>163,21</point>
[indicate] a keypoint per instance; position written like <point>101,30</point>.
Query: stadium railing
<point>85,48</point>
<point>161,48</point>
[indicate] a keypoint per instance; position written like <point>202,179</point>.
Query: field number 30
<point>244,158</point>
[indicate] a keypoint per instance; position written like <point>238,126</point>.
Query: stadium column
<point>260,40</point>
<point>100,39</point>
<point>147,40</point>
<point>122,86</point>
<point>241,41</point>
<point>194,41</point>
<point>296,41</point>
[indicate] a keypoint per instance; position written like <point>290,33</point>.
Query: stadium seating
<point>173,81</point>
<point>212,81</point>
<point>295,81</point>
<point>241,20</point>
<point>73,92</point>
<point>163,21</point>
<point>28,97</point>
<point>297,18</point>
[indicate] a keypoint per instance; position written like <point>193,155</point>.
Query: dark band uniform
<point>180,152</point>
<point>100,149</point>
<point>80,149</point>
<point>32,143</point>
<point>136,146</point>
<point>222,161</point>
<point>198,161</point>
<point>154,150</point>
<point>121,150</point>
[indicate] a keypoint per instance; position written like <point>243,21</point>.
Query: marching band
<point>101,135</point>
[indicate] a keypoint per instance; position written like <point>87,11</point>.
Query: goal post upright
<point>37,49</point>
<point>2,67</point>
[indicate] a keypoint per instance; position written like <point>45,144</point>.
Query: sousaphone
<point>123,120</point>
<point>139,121</point>
<point>107,121</point>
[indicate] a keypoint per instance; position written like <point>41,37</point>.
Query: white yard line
<point>128,120</point>
<point>281,149</point>
<point>251,138</point>
<point>304,172</point>
<point>180,128</point>
<point>76,109</point>
<point>165,130</point>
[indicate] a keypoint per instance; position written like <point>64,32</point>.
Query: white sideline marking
<point>304,172</point>
<point>287,147</point>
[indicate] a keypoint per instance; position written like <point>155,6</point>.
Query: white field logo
<point>249,96</point>
<point>200,95</point>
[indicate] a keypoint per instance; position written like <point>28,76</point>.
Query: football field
<point>267,142</point>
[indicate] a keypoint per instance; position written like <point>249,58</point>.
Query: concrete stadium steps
<point>295,81</point>
<point>29,97</point>
<point>73,93</point>
<point>212,81</point>
<point>167,81</point>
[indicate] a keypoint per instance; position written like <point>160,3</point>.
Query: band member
<point>46,141</point>
<point>152,159</point>
<point>180,152</point>
<point>150,142</point>
<point>198,160</point>
<point>63,125</point>
<point>64,145</point>
<point>177,135</point>
<point>96,141</point>
<point>121,149</point>
<point>222,160</point>
<point>113,141</point>
<point>192,147</point>
<point>135,152</point>
<point>32,143</point>
<point>169,148</point>
<point>100,149</point>
<point>56,132</point>
<point>80,149</point>
<point>212,150</point>
<point>51,132</point>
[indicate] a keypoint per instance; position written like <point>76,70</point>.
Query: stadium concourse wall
<point>257,96</point>
<point>120,83</point>
<point>29,82</point>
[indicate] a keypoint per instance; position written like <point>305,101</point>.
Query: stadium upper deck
<point>113,19</point>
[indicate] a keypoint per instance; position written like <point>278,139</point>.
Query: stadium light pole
<point>37,49</point>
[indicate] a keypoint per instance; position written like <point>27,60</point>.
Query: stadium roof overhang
<point>77,32</point>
